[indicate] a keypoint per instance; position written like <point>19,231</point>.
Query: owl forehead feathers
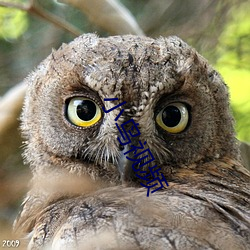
<point>131,68</point>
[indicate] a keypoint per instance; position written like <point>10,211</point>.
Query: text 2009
<point>11,243</point>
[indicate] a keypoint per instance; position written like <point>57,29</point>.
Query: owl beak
<point>125,165</point>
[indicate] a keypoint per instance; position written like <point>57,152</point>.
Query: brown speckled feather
<point>209,211</point>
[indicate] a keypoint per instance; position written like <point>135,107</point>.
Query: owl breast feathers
<point>131,145</point>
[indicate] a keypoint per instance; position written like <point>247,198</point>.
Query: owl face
<point>178,101</point>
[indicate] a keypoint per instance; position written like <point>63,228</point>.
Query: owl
<point>131,145</point>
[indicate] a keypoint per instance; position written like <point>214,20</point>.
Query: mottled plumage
<point>84,193</point>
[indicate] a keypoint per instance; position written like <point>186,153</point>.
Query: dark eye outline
<point>73,118</point>
<point>184,121</point>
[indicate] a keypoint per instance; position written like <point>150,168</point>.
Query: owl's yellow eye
<point>83,112</point>
<point>173,118</point>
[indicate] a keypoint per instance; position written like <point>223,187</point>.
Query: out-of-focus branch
<point>34,9</point>
<point>110,15</point>
<point>10,108</point>
<point>14,5</point>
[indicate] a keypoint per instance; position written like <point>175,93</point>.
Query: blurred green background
<point>219,30</point>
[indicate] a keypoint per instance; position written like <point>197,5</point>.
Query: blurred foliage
<point>233,62</point>
<point>233,48</point>
<point>13,23</point>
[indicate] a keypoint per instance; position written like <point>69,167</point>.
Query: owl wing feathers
<point>187,216</point>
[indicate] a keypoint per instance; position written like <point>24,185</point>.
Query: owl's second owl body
<point>85,192</point>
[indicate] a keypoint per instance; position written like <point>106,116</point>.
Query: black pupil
<point>86,110</point>
<point>171,116</point>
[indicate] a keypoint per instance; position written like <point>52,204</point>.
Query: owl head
<point>178,101</point>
